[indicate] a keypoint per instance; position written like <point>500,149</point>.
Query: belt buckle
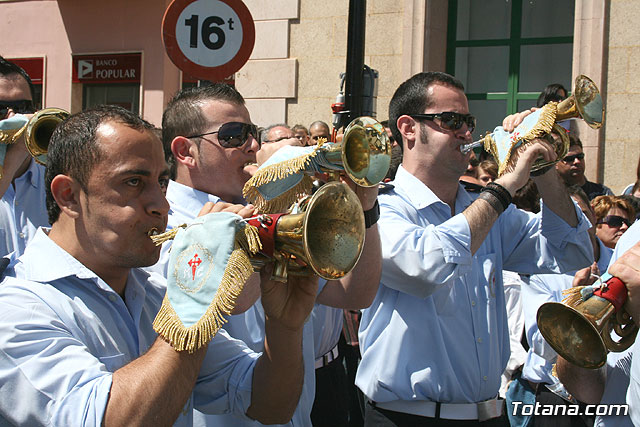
<point>490,409</point>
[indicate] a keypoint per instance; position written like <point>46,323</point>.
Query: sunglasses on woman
<point>614,221</point>
<point>233,134</point>
<point>449,120</point>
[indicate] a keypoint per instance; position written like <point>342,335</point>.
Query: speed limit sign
<point>208,39</point>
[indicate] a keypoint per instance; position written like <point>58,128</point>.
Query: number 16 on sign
<point>208,39</point>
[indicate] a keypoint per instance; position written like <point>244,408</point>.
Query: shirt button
<point>473,303</point>
<point>113,298</point>
<point>480,340</point>
<point>16,203</point>
<point>21,235</point>
<point>485,378</point>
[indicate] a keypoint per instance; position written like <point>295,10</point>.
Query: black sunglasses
<point>570,159</point>
<point>614,221</point>
<point>23,106</point>
<point>449,120</point>
<point>233,134</point>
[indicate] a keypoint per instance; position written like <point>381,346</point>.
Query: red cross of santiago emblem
<point>194,263</point>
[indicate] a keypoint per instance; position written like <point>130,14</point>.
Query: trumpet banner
<point>10,131</point>
<point>504,146</point>
<point>204,277</point>
<point>284,177</point>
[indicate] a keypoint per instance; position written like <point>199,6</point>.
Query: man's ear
<point>66,192</point>
<point>408,128</point>
<point>184,151</point>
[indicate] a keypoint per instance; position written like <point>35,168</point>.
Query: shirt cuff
<point>455,235</point>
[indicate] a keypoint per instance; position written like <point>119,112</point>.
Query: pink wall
<point>59,29</point>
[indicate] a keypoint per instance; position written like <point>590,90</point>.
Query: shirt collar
<point>421,196</point>
<point>187,198</point>
<point>44,261</point>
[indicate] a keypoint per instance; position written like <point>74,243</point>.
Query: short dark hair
<point>551,93</point>
<point>320,123</point>
<point>8,68</point>
<point>73,149</point>
<point>296,128</point>
<point>412,97</point>
<point>574,140</point>
<point>183,114</point>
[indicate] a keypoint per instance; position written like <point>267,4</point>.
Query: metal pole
<point>355,59</point>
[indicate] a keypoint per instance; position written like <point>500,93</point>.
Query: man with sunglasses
<point>22,207</point>
<point>435,340</point>
<point>571,170</point>
<point>207,131</point>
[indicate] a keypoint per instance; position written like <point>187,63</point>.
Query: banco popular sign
<point>116,68</point>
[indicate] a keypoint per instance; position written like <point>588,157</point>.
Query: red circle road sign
<point>208,39</point>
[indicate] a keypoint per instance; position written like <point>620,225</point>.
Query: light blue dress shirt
<point>437,329</point>
<point>22,210</point>
<point>64,331</point>
<point>185,204</point>
<point>544,288</point>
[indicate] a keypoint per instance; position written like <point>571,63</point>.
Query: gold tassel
<point>249,239</point>
<point>284,201</point>
<point>545,123</point>
<point>573,296</point>
<point>168,325</point>
<point>159,239</point>
<point>275,172</point>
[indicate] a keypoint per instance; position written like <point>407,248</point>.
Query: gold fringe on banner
<point>159,239</point>
<point>238,270</point>
<point>545,124</point>
<point>275,172</point>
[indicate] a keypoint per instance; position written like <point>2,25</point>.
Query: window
<point>506,52</point>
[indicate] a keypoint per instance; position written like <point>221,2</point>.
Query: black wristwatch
<point>372,215</point>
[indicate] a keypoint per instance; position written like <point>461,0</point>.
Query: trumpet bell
<point>327,234</point>
<point>572,335</point>
<point>39,131</point>
<point>585,103</point>
<point>583,332</point>
<point>364,153</point>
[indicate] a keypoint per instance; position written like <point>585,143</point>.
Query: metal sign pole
<point>355,59</point>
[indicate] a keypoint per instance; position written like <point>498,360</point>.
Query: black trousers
<point>546,397</point>
<point>378,417</point>
<point>330,407</point>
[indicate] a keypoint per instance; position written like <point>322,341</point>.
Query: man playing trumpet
<point>22,207</point>
<point>435,340</point>
<point>209,136</point>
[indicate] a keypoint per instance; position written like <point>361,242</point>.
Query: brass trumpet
<point>37,132</point>
<point>585,102</point>
<point>326,234</point>
<point>364,153</point>
<point>582,334</point>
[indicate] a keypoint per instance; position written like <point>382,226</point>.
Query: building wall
<point>293,73</point>
<point>622,135</point>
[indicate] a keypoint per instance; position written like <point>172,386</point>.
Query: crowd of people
<point>435,325</point>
